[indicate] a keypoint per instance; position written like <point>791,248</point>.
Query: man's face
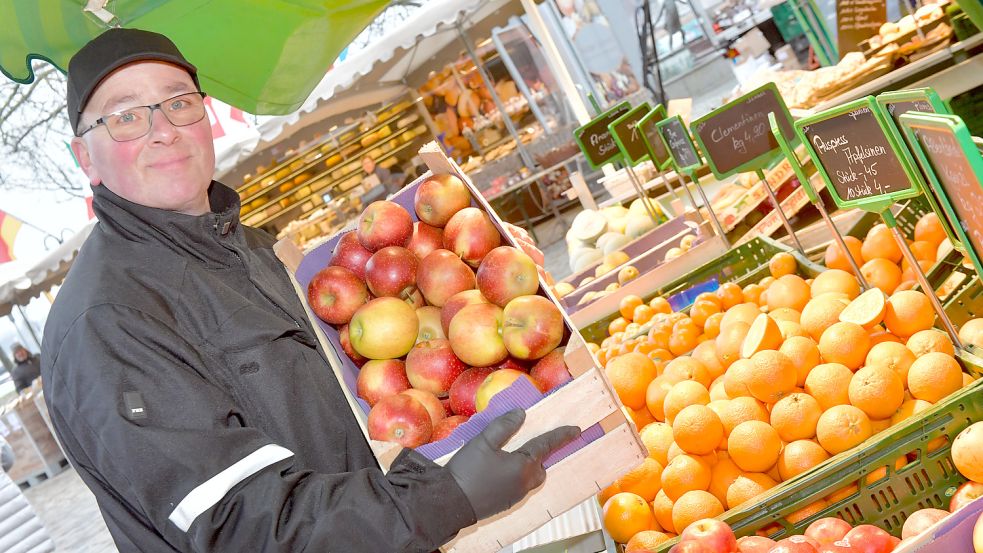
<point>168,168</point>
<point>368,164</point>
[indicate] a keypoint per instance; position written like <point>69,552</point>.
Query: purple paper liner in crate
<point>954,533</point>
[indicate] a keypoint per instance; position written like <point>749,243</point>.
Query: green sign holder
<point>592,136</point>
<point>624,130</point>
<point>660,156</point>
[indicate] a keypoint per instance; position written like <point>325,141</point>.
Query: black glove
<point>494,480</point>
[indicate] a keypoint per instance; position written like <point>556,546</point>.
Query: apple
<point>921,520</point>
<point>381,378</point>
<point>714,534</point>
<point>494,383</point>
<point>690,546</point>
<point>514,364</point>
<point>533,327</point>
<point>400,419</point>
<point>414,298</point>
<point>441,275</point>
<point>446,426</point>
<point>432,366</point>
<point>351,254</point>
<point>471,235</point>
<point>457,302</point>
<point>841,546</point>
<point>425,239</point>
<point>868,538</point>
<point>430,402</point>
<point>446,403</point>
<point>476,335</point>
<point>965,495</point>
<point>978,535</point>
<point>505,274</point>
<point>464,389</point>
<point>430,329</point>
<point>794,544</point>
<point>755,544</point>
<point>335,294</point>
<point>828,530</point>
<point>384,328</point>
<point>439,197</point>
<point>384,224</point>
<point>551,371</point>
<point>346,346</point>
<point>391,272</point>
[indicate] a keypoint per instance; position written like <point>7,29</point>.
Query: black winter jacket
<point>187,388</point>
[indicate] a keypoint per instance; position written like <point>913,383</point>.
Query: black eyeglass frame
<point>102,120</point>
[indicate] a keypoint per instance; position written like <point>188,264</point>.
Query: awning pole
<point>27,323</point>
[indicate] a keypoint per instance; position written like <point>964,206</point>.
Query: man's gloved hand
<point>492,479</point>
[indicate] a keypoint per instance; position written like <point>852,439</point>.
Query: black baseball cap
<point>110,51</point>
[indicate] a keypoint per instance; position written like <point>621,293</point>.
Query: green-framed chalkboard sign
<point>628,137</point>
<point>952,162</point>
<point>595,139</point>
<point>650,135</point>
<point>860,155</point>
<point>677,141</point>
<point>736,137</point>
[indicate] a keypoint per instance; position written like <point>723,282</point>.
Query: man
<point>27,367</point>
<point>182,375</point>
<point>390,182</point>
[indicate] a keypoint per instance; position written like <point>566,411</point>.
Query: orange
<point>794,417</point>
<point>642,314</point>
<point>617,325</point>
<point>908,312</point>
<point>879,336</point>
<point>740,410</point>
<point>877,391</point>
<point>930,229</point>
<point>880,243</point>
<point>607,493</point>
<point>697,430</point>
<point>807,511</point>
<point>908,273</point>
<point>800,456</point>
<point>718,391</point>
<point>754,446</point>
<point>735,379</point>
<point>842,493</point>
<point>730,340</point>
<point>835,280</point>
<point>836,259</point>
<point>820,314</point>
<point>763,334</point>
<point>688,368</point>
<point>655,396</point>
<point>693,506</point>
<point>661,305</point>
<point>640,417</point>
<point>881,472</point>
<point>701,311</point>
<point>625,515</point>
<point>747,486</point>
<point>782,264</point>
<point>711,328</point>
<point>770,376</point>
<point>923,251</point>
<point>646,541</point>
<point>752,293</point>
<point>706,354</point>
<point>829,383</point>
<point>710,297</point>
<point>659,336</point>
<point>789,291</point>
<point>867,310</point>
<point>882,273</point>
<point>803,353</point>
<point>722,476</point>
<point>645,480</point>
<point>967,452</point>
<point>662,508</point>
<point>682,395</point>
<point>876,425</point>
<point>842,427</point>
<point>790,329</point>
<point>630,375</point>
<point>927,341</point>
<point>683,339</point>
<point>891,355</point>
<point>685,473</point>
<point>766,282</point>
<point>971,332</point>
<point>845,343</point>
<point>908,409</point>
<point>730,295</point>
<point>934,376</point>
<point>657,438</point>
<point>628,304</point>
<point>785,314</point>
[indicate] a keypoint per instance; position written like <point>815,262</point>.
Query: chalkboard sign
<point>736,137</point>
<point>856,21</point>
<point>676,139</point>
<point>629,138</point>
<point>650,134</point>
<point>950,159</point>
<point>859,155</point>
<point>595,139</point>
<point>899,102</point>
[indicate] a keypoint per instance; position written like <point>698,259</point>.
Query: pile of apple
<point>437,313</point>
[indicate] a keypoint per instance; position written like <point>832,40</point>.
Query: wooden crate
<point>609,447</point>
<point>35,448</point>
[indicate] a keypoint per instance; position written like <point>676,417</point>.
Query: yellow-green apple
<point>505,274</point>
<point>430,401</point>
<point>425,239</point>
<point>384,224</point>
<point>494,383</point>
<point>430,329</point>
<point>442,274</point>
<point>965,495</point>
<point>446,426</point>
<point>384,328</point>
<point>755,544</point>
<point>391,272</point>
<point>413,297</point>
<point>476,335</point>
<point>463,390</point>
<point>335,294</point>
<point>713,533</point>
<point>432,366</point>
<point>533,327</point>
<point>346,346</point>
<point>381,378</point>
<point>439,197</point>
<point>400,419</point>
<point>351,254</point>
<point>471,235</point>
<point>551,371</point>
<point>920,520</point>
<point>457,302</point>
<point>828,530</point>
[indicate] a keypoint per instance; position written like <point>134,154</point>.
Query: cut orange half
<point>867,310</point>
<point>764,334</point>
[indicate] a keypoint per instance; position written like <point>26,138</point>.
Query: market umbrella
<point>262,56</point>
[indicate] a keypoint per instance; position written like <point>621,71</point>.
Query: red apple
<point>439,197</point>
<point>381,378</point>
<point>430,329</point>
<point>714,534</point>
<point>430,401</point>
<point>551,371</point>
<point>494,383</point>
<point>476,335</point>
<point>471,235</point>
<point>828,530</point>
<point>441,275</point>
<point>533,327</point>
<point>455,304</point>
<point>346,346</point>
<point>690,546</point>
<point>505,274</point>
<point>400,419</point>
<point>921,520</point>
<point>432,366</point>
<point>965,495</point>
<point>335,294</point>
<point>414,298</point>
<point>445,427</point>
<point>794,544</point>
<point>425,239</point>
<point>446,403</point>
<point>384,328</point>
<point>755,544</point>
<point>464,389</point>
<point>350,254</point>
<point>514,364</point>
<point>384,224</point>
<point>841,546</point>
<point>391,272</point>
<point>868,538</point>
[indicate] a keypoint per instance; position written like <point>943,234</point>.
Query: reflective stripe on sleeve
<point>210,492</point>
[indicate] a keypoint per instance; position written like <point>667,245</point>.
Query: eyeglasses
<point>132,123</point>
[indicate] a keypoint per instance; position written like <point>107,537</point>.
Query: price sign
<point>676,139</point>
<point>595,138</point>
<point>628,136</point>
<point>856,21</point>
<point>860,156</point>
<point>650,134</point>
<point>737,138</point>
